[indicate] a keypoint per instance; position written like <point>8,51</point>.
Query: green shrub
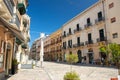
<point>72,58</point>
<point>15,62</point>
<point>71,76</point>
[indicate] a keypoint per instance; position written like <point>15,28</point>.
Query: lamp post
<point>42,35</point>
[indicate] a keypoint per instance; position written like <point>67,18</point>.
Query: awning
<point>21,8</point>
<point>16,32</point>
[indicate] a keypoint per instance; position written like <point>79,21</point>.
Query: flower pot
<point>114,78</point>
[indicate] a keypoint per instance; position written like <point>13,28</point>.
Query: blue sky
<point>49,15</point>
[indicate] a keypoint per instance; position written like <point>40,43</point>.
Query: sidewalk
<point>30,74</point>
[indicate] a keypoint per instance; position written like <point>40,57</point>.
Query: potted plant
<point>14,66</point>
<point>72,75</point>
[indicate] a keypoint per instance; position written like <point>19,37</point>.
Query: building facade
<point>33,51</point>
<point>23,49</point>
<point>86,32</point>
<point>55,46</point>
<point>11,35</point>
<point>47,56</point>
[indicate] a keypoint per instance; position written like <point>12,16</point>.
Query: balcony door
<point>101,34</point>
<point>100,16</point>
<point>89,37</point>
<point>78,27</point>
<point>88,20</point>
<point>78,40</point>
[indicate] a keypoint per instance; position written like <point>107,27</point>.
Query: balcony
<point>25,23</point>
<point>63,47</point>
<point>21,7</point>
<point>88,25</point>
<point>24,46</point>
<point>58,50</point>
<point>18,41</point>
<point>82,44</point>
<point>70,33</point>
<point>77,30</point>
<point>99,20</point>
<point>28,39</point>
<point>69,47</point>
<point>89,42</point>
<point>101,39</point>
<point>64,36</point>
<point>59,40</point>
<point>76,45</point>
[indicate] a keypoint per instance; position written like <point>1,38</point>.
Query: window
<point>78,40</point>
<point>77,26</point>
<point>88,20</point>
<point>64,33</point>
<point>115,35</point>
<point>111,5</point>
<point>70,30</point>
<point>89,37</point>
<point>64,44</point>
<point>100,16</point>
<point>70,43</point>
<point>101,35</point>
<point>113,20</point>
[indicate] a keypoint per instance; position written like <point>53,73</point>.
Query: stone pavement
<point>30,74</point>
<point>86,72</point>
<point>56,71</point>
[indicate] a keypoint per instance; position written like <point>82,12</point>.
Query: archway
<point>79,56</point>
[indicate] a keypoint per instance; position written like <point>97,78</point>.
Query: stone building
<point>11,34</point>
<point>85,33</point>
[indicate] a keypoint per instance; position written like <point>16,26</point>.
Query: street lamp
<point>42,35</point>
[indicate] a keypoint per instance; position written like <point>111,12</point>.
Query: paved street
<point>56,71</point>
<point>30,74</point>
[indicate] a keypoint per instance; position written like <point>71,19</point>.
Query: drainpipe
<point>102,1</point>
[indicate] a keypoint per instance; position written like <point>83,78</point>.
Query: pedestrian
<point>102,60</point>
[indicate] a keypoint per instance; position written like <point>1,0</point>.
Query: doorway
<point>7,61</point>
<point>79,56</point>
<point>90,56</point>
